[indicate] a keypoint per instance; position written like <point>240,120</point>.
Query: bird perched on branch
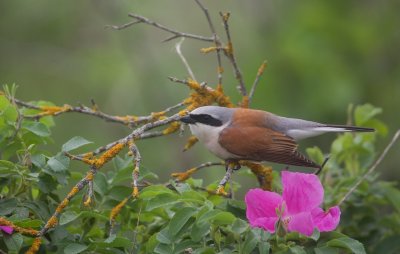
<point>235,134</point>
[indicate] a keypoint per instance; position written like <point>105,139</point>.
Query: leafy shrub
<point>177,217</point>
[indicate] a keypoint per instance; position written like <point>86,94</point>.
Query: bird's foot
<point>232,164</point>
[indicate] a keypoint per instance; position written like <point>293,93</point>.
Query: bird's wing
<point>262,144</point>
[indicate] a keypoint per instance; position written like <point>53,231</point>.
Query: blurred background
<point>322,56</point>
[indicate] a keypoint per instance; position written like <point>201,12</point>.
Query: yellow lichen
<point>208,50</point>
<point>135,192</point>
<point>73,192</point>
<point>174,126</point>
<point>51,110</point>
<point>106,156</point>
<point>229,48</point>
<point>25,231</point>
<point>262,172</point>
<point>89,176</point>
<point>35,246</point>
<point>158,115</point>
<point>117,209</point>
<point>190,142</point>
<point>62,205</point>
<point>88,201</point>
<point>52,222</point>
<point>221,191</point>
<point>262,68</point>
<point>127,119</point>
<point>245,102</point>
<point>182,176</point>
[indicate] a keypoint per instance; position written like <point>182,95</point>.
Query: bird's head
<point>214,116</point>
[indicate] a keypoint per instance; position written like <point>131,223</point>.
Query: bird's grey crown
<point>221,113</point>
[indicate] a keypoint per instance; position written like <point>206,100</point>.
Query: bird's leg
<point>229,166</point>
<point>322,166</point>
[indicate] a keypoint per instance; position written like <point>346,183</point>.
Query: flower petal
<point>266,223</point>
<point>261,204</point>
<point>7,229</point>
<point>326,221</point>
<point>301,192</point>
<point>302,223</point>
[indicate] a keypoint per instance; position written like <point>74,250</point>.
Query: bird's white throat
<point>209,135</point>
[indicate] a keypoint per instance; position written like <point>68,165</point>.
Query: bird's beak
<point>188,120</point>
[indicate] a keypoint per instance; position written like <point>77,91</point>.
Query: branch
<point>231,56</point>
<point>377,162</point>
<point>176,34</point>
<point>129,120</point>
<point>217,42</point>
<point>256,81</point>
<point>183,59</point>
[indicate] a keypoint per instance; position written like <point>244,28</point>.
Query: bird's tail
<point>342,128</point>
<point>311,131</point>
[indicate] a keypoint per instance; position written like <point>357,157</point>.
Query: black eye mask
<point>206,119</point>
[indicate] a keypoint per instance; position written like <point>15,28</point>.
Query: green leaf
<point>392,194</point>
<point>199,231</point>
<point>326,250</point>
<point>364,113</point>
<point>7,206</point>
<point>179,219</point>
<point>161,200</point>
<point>297,250</point>
<point>163,249</point>
<point>58,163</point>
<point>154,190</point>
<point>239,226</point>
<point>7,110</point>
<point>388,245</point>
<point>100,184</point>
<point>347,243</point>
<point>120,192</point>
<point>315,154</point>
<point>74,143</point>
<point>163,236</point>
<point>13,242</point>
<point>74,248</point>
<point>223,218</point>
<point>250,243</point>
<point>28,223</point>
<point>37,128</point>
<point>68,217</point>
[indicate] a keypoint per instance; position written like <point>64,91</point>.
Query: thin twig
<point>129,120</point>
<point>377,162</point>
<point>183,59</point>
<point>257,80</point>
<point>176,34</point>
<point>229,52</point>
<point>217,42</point>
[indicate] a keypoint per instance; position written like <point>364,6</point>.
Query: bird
<point>235,134</point>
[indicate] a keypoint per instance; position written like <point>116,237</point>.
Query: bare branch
<point>231,56</point>
<point>377,162</point>
<point>257,79</point>
<point>183,59</point>
<point>216,41</point>
<point>141,19</point>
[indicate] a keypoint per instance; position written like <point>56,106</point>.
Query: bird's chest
<point>209,137</point>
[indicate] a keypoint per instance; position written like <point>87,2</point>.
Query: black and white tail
<point>311,131</point>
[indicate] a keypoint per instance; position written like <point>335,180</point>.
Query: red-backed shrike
<point>255,135</point>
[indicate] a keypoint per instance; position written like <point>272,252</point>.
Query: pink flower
<point>298,207</point>
<point>7,229</point>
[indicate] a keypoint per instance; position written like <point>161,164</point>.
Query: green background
<point>322,56</point>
